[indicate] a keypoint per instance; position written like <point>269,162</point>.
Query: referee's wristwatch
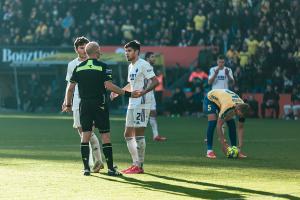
<point>127,94</point>
<point>68,105</point>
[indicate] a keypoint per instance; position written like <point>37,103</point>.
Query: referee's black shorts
<point>94,112</point>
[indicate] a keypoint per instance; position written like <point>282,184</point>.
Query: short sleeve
<point>230,73</point>
<point>211,73</point>
<point>148,71</point>
<point>74,77</point>
<point>107,74</point>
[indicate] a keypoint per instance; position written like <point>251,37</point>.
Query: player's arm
<point>68,97</point>
<point>229,74</point>
<point>68,77</point>
<point>154,83</point>
<point>220,123</point>
<point>64,103</point>
<point>212,75</point>
<point>240,130</point>
<point>149,74</point>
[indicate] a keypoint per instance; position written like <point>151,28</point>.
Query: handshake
<point>133,94</point>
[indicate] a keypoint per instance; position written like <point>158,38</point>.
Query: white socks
<point>91,160</point>
<point>153,124</point>
<point>141,146</point>
<point>132,148</point>
<point>95,148</point>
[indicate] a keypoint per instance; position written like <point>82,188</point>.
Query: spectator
<point>199,74</point>
<point>292,110</point>
<point>68,21</point>
<point>195,102</point>
<point>270,101</point>
<point>159,90</point>
<point>178,102</point>
<point>253,112</point>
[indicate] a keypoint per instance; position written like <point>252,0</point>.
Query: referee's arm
<point>112,87</point>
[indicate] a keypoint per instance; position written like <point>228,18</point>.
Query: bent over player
<point>221,105</point>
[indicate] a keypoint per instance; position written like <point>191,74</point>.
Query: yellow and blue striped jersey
<point>225,100</point>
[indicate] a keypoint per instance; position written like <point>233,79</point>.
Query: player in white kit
<point>95,154</point>
<point>140,72</point>
<point>150,57</point>
<point>220,77</point>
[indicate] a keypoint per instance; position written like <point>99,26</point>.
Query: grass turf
<point>40,159</point>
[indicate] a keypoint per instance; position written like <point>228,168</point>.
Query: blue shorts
<point>210,107</point>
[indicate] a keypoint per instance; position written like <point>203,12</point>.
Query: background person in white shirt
<point>95,154</point>
<point>150,57</point>
<point>220,76</point>
<point>140,72</point>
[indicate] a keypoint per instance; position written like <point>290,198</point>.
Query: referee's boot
<point>86,172</point>
<point>113,172</point>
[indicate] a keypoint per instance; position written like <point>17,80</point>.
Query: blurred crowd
<point>260,38</point>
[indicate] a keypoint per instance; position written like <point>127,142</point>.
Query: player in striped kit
<point>150,57</point>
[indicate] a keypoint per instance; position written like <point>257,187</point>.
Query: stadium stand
<point>260,38</point>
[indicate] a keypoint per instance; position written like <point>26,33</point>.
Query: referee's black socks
<point>85,153</point>
<point>107,150</point>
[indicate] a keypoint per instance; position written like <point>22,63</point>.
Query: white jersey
<point>71,67</point>
<point>138,77</point>
<point>221,81</point>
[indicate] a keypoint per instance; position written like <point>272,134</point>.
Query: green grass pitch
<point>40,159</point>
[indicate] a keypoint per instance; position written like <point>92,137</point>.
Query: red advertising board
<point>172,55</point>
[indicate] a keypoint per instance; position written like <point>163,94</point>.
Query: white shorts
<point>76,119</point>
<point>137,117</point>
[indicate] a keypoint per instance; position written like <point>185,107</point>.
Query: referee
<point>93,78</point>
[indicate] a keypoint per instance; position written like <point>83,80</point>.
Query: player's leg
<point>140,135</point>
<point>96,152</point>
<point>232,131</point>
<point>212,123</point>
<point>153,123</point>
<point>103,124</point>
<point>210,109</point>
<point>141,117</point>
<point>141,146</point>
<point>129,135</point>
<point>240,134</point>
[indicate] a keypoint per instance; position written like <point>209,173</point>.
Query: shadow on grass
<point>230,188</point>
<point>174,189</point>
<point>69,154</point>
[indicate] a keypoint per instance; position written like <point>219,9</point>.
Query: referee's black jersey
<point>90,76</point>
